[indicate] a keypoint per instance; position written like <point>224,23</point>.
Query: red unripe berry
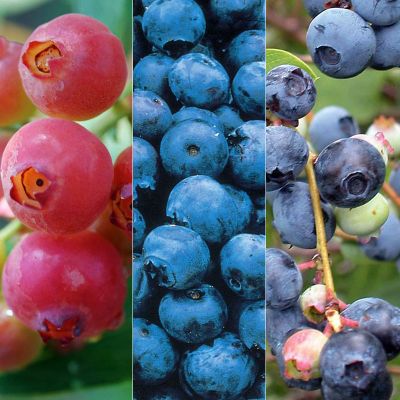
<point>65,287</point>
<point>19,345</point>
<point>56,176</point>
<point>15,106</point>
<point>121,198</point>
<point>73,67</point>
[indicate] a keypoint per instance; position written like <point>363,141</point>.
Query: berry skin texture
<point>73,67</point>
<point>65,286</point>
<point>152,116</point>
<point>248,89</point>
<point>139,229</point>
<point>144,289</point>
<point>175,257</point>
<point>210,370</point>
<point>154,356</point>
<point>229,118</point>
<point>351,361</point>
<point>340,42</point>
<point>387,54</point>
<point>194,147</point>
<point>330,124</point>
<point>186,113</point>
<point>286,156</point>
<point>313,303</point>
<point>195,315</point>
<point>283,279</point>
<point>14,103</point>
<point>349,172</point>
<point>301,353</point>
<point>294,217</point>
<point>187,81</point>
<point>291,92</point>
<point>386,246</point>
<point>252,326</point>
<point>19,344</point>
<point>242,265</point>
<point>364,220</point>
<point>56,176</point>
<point>247,155</point>
<point>381,389</point>
<point>378,12</point>
<point>146,167</point>
<point>174,26</point>
<point>248,46</point>
<point>215,215</point>
<point>142,47</point>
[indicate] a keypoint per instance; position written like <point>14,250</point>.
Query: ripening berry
<point>73,67</point>
<point>121,198</point>
<point>67,286</point>
<point>14,103</point>
<point>56,176</point>
<point>19,345</point>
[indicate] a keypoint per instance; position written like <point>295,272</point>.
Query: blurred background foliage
<point>366,96</point>
<point>102,369</point>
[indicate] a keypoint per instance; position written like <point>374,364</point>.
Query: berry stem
<point>10,229</point>
<point>343,235</point>
<point>319,225</point>
<point>387,188</point>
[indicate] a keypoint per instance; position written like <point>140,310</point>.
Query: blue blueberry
<point>229,118</point>
<point>340,42</point>
<point>387,54</point>
<point>174,26</point>
<point>236,305</point>
<point>386,246</point>
<point>200,81</point>
<point>351,361</point>
<point>164,392</point>
<point>290,92</point>
<point>314,7</point>
<point>349,172</point>
<point>248,89</point>
<point>141,46</point>
<point>252,326</point>
<point>145,165</point>
<point>195,315</point>
<point>284,281</point>
<point>356,310</point>
<point>152,116</point>
<point>244,205</point>
<point>154,356</point>
<point>378,12</point>
<point>381,389</point>
<point>144,290</point>
<point>247,47</point>
<point>330,124</point>
<point>228,16</point>
<point>243,265</point>
<point>194,147</point>
<point>139,229</point>
<point>202,204</point>
<point>151,73</point>
<point>221,370</point>
<point>247,155</point>
<point>175,257</point>
<point>258,390</point>
<point>186,113</point>
<point>294,216</point>
<point>286,156</point>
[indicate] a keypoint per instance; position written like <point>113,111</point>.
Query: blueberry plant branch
<point>391,193</point>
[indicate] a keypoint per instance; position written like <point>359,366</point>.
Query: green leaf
<point>116,14</point>
<point>276,57</point>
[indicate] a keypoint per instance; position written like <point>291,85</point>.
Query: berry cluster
<point>64,280</point>
<point>347,36</point>
<point>317,339</point>
<point>198,193</point>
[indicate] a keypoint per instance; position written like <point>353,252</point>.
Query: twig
<point>388,189</point>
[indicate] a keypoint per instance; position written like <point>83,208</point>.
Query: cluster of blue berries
<point>345,358</point>
<point>347,36</point>
<point>199,208</point>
